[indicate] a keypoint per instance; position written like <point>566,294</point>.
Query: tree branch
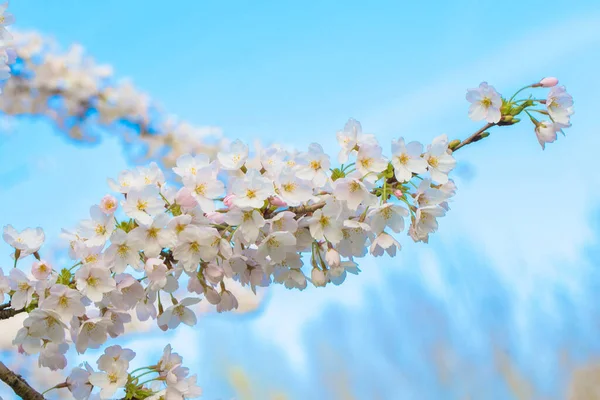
<point>18,384</point>
<point>473,137</point>
<point>6,313</point>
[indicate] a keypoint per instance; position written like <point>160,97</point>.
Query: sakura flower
<point>248,222</point>
<point>23,288</point>
<point>560,105</point>
<point>109,381</point>
<point>156,271</point>
<point>142,204</point>
<point>354,192</point>
<point>6,18</point>
<point>228,302</point>
<point>318,277</point>
<point>41,269</point>
<point>25,242</point>
<point>184,388</point>
<point>178,313</point>
<point>46,324</point>
<point>98,229</point>
<point>108,204</point>
<point>324,224</point>
<point>271,159</point>
<point>315,164</point>
<point>440,163</point>
<point>234,157</point>
<point>53,356</point>
<point>407,160</point>
<point>277,245</point>
<point>284,221</point>
<point>65,301</point>
<point>153,237</point>
<point>485,103</point>
<point>91,334</point>
<point>128,292</point>
<point>185,199</point>
<point>291,189</point>
<point>546,133</point>
<point>205,187</point>
<point>115,355</point>
<point>388,214</point>
<point>78,382</point>
<point>94,281</point>
<point>4,284</point>
<point>369,161</point>
<point>189,165</point>
<point>337,274</point>
<point>252,190</point>
<point>348,139</point>
<point>384,242</point>
<point>123,251</point>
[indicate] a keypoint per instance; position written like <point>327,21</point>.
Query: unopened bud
<point>108,204</point>
<point>228,200</point>
<point>318,277</point>
<point>452,145</point>
<point>185,199</point>
<point>549,81</point>
<point>398,193</point>
<point>277,201</point>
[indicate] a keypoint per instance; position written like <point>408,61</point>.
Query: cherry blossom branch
<point>7,313</point>
<point>18,384</point>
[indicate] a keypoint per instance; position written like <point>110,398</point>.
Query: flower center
<point>250,193</point>
<point>433,161</point>
<point>316,165</point>
<point>486,102</point>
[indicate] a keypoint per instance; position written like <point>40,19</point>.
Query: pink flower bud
<point>21,350</point>
<point>216,217</point>
<point>398,193</point>
<point>228,200</point>
<point>108,204</point>
<point>277,201</point>
<point>549,81</point>
<point>185,199</point>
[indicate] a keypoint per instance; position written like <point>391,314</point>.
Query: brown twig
<point>18,384</point>
<point>473,137</point>
<point>6,313</point>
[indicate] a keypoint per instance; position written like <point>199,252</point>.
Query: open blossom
<point>78,382</point>
<point>252,190</point>
<point>439,162</point>
<point>370,161</point>
<point>123,251</point>
<point>41,269</point>
<point>98,229</point>
<point>94,281</point>
<point>546,132</point>
<point>293,190</point>
<point>407,159</point>
<point>65,301</point>
<point>91,334</point>
<point>277,245</point>
<point>23,288</point>
<point>388,215</point>
<point>4,284</point>
<point>384,242</point>
<point>153,237</point>
<point>189,165</point>
<point>185,199</point>
<point>26,242</point>
<point>315,165</point>
<point>325,225</point>
<point>234,157</point>
<point>142,204</point>
<point>205,187</point>
<point>178,313</point>
<point>348,139</point>
<point>109,381</point>
<point>52,356</point>
<point>109,204</point>
<point>354,192</point>
<point>485,103</point>
<point>560,105</point>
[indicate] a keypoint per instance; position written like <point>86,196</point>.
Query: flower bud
<point>549,81</point>
<point>108,204</point>
<point>185,199</point>
<point>277,201</point>
<point>228,200</point>
<point>216,217</point>
<point>228,302</point>
<point>398,193</point>
<point>318,277</point>
<point>333,257</point>
<point>212,295</point>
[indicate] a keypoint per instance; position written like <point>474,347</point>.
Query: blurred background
<point>503,301</point>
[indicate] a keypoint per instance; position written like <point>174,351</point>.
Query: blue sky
<point>513,268</point>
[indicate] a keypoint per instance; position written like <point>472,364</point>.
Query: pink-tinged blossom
<point>485,103</point>
<point>109,204</point>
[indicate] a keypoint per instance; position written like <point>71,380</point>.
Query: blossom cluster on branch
<point>83,100</point>
<point>156,248</point>
<point>255,218</point>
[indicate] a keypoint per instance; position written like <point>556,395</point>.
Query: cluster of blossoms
<point>254,218</point>
<point>7,54</point>
<point>82,98</point>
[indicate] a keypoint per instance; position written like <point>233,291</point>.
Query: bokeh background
<point>503,302</point>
